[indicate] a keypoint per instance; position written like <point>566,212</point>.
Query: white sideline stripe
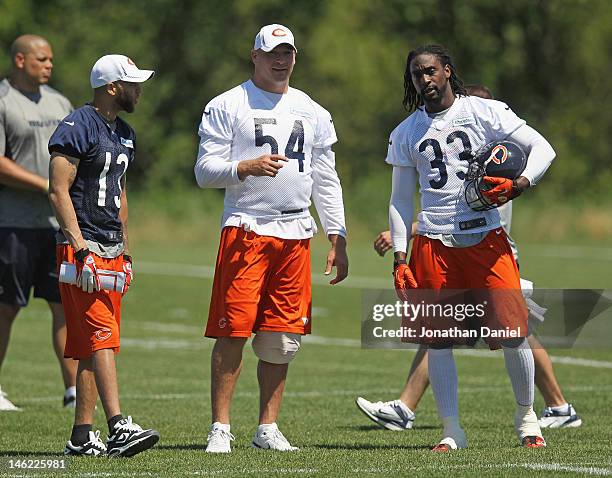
<point>340,342</point>
<point>254,393</point>
<point>569,252</point>
<point>174,344</point>
<point>471,389</point>
<point>208,272</point>
<point>591,470</point>
<point>171,344</point>
<point>582,362</point>
<point>318,340</point>
<point>351,282</point>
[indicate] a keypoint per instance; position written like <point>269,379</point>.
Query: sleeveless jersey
<point>104,157</point>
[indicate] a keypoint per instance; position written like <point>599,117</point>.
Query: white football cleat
<point>393,415</point>
<point>6,405</point>
<point>271,438</point>
<point>219,439</point>
<point>566,419</point>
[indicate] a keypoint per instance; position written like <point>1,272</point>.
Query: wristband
<point>81,254</point>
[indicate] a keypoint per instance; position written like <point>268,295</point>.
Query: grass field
<point>164,381</point>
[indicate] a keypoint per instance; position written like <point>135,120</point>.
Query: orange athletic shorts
<point>485,273</point>
<point>261,283</point>
<point>92,320</point>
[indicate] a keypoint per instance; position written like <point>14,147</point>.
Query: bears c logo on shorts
<point>103,334</point>
<point>222,322</point>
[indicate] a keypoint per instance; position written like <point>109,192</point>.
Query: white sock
<point>443,379</point>
<point>521,370</point>
<point>526,422</point>
<point>524,410</point>
<point>70,392</point>
<point>267,427</point>
<point>560,408</point>
<point>220,426</point>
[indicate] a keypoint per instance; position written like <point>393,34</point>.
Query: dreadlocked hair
<point>412,99</point>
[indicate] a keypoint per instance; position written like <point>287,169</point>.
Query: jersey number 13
<point>121,159</point>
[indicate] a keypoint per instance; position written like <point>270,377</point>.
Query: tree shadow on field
<point>25,453</point>
<point>193,446</point>
<point>370,446</point>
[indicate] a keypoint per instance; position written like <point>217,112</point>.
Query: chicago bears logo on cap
<point>499,154</point>
<point>279,32</point>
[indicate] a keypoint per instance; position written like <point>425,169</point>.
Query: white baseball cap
<point>111,68</point>
<point>270,36</point>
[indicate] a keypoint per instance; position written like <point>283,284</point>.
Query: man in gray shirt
<point>29,113</point>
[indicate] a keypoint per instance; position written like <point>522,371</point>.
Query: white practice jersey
<point>247,122</point>
<point>439,148</point>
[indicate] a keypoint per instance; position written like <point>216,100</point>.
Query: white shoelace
<point>277,435</point>
<point>219,435</point>
<point>130,425</point>
<point>97,442</point>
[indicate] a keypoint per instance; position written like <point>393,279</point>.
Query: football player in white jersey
<point>269,146</point>
<point>456,247</point>
<point>400,415</point>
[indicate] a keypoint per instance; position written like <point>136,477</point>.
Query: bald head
<point>25,44</point>
<point>32,62</point>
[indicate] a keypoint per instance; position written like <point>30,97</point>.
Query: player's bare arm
<point>265,165</point>
<point>522,183</point>
<point>383,242</point>
<point>338,258</point>
<point>13,175</point>
<point>123,216</point>
<point>62,172</point>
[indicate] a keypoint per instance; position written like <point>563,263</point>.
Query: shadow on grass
<point>33,453</point>
<point>367,428</point>
<point>370,446</point>
<point>182,447</point>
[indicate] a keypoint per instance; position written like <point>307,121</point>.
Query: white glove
<point>87,274</point>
